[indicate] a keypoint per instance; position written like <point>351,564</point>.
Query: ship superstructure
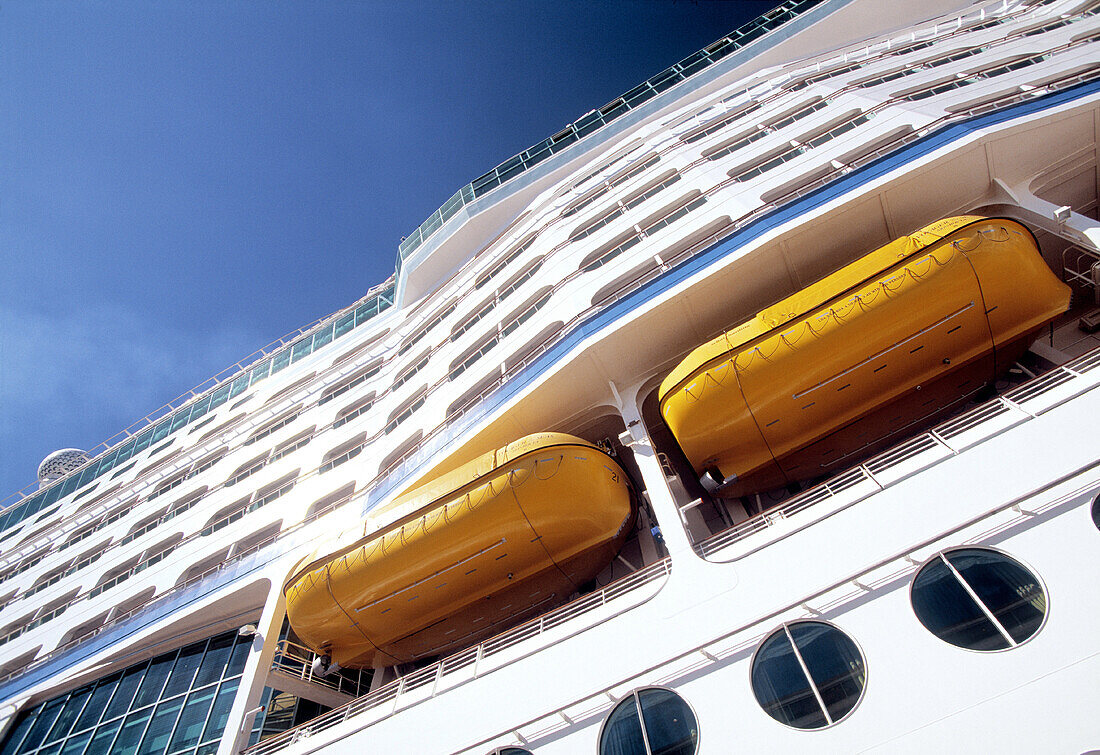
<point>933,594</point>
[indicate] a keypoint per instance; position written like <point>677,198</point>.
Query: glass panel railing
<point>597,119</point>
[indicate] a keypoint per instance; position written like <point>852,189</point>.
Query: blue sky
<point>182,183</point>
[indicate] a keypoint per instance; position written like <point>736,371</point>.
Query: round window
<point>808,674</point>
<point>1096,511</point>
<point>978,599</point>
<point>650,721</point>
<point>510,751</point>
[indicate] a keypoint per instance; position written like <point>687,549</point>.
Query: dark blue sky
<point>181,183</point>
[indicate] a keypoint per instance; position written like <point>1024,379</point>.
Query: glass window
<point>651,721</point>
<point>75,745</point>
<point>96,704</point>
<point>160,727</point>
<point>124,694</point>
<point>510,751</point>
<point>808,674</point>
<point>214,661</point>
<point>101,740</point>
<point>978,599</point>
<point>192,720</point>
<point>170,703</point>
<point>73,706</point>
<point>184,671</point>
<point>15,736</point>
<point>131,732</point>
<point>153,683</point>
<point>1096,511</point>
<point>218,717</point>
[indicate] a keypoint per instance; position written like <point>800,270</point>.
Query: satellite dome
<point>60,463</point>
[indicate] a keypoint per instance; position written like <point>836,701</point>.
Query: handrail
<point>705,652</point>
<point>467,658</point>
<point>604,697</point>
<point>939,436</point>
<point>296,661</point>
<point>593,120</point>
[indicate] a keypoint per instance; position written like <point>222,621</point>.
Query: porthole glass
<point>978,599</point>
<point>510,751</point>
<point>651,721</point>
<point>808,674</point>
<point>1096,511</point>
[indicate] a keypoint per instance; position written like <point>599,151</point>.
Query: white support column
<point>256,667</point>
<point>653,476</point>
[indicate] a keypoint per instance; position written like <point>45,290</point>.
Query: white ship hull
<point>597,269</point>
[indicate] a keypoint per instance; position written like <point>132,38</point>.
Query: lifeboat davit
<point>884,343</point>
<point>500,539</point>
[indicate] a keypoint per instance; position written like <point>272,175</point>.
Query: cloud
<point>75,379</point>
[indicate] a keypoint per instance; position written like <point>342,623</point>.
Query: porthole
<point>808,674</point>
<point>1096,511</point>
<point>510,751</point>
<point>650,721</point>
<point>978,599</point>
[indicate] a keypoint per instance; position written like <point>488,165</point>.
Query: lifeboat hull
<point>884,343</point>
<point>501,539</point>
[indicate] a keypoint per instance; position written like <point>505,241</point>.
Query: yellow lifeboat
<point>887,341</point>
<point>501,538</point>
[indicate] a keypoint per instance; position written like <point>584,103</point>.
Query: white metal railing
<point>469,659</point>
<point>598,701</point>
<point>296,661</point>
<point>873,470</point>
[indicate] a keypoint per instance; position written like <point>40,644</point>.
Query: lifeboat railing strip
<point>469,659</point>
<point>874,469</point>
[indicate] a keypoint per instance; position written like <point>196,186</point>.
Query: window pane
<point>835,665</point>
<point>670,725</point>
<point>280,360</point>
<point>76,744</point>
<point>160,728</point>
<point>42,724</point>
<point>15,736</point>
<point>240,654</point>
<point>1009,591</point>
<point>217,654</point>
<point>101,740</point>
<point>154,680</point>
<point>622,733</point>
<point>184,671</point>
<point>780,686</point>
<point>192,720</point>
<point>96,703</point>
<point>948,611</point>
<point>69,714</point>
<point>124,695</point>
<point>224,701</point>
<point>130,734</point>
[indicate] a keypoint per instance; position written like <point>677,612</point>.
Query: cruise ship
<point>756,410</point>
